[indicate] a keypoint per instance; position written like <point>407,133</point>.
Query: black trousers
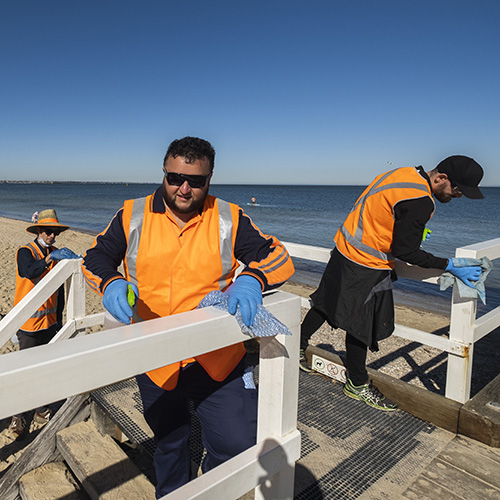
<point>356,350</point>
<point>34,339</point>
<point>227,412</point>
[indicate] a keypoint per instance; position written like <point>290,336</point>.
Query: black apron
<point>357,299</point>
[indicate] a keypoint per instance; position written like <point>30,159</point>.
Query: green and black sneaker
<point>370,395</point>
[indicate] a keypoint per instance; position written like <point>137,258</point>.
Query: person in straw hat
<point>33,261</point>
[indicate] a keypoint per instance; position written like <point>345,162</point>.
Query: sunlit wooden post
<point>75,293</point>
<point>278,398</point>
<point>459,370</point>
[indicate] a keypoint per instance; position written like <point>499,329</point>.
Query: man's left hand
<point>246,292</point>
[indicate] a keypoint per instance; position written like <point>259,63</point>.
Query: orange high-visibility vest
<point>46,315</point>
<point>175,268</point>
<point>366,235</point>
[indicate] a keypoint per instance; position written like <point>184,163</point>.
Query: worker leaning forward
<point>33,261</point>
<point>177,245</point>
<point>386,222</point>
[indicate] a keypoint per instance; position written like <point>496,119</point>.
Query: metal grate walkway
<point>349,450</point>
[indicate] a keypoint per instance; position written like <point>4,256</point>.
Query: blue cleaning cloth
<point>264,324</point>
<point>466,292</point>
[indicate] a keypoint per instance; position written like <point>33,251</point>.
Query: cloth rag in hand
<point>466,292</point>
<point>264,324</point>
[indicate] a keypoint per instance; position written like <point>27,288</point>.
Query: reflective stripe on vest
<point>46,312</point>
<point>37,257</point>
<point>225,238</point>
<point>134,237</point>
<point>356,240</point>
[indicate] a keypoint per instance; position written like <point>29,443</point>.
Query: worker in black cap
<point>386,223</point>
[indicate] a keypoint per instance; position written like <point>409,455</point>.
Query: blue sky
<point>288,92</point>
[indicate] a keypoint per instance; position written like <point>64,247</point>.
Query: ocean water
<point>309,215</point>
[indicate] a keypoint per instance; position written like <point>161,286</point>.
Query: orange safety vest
<point>46,316</point>
<point>366,235</point>
<point>175,268</point>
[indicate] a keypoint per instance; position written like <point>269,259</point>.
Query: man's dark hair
<point>192,149</point>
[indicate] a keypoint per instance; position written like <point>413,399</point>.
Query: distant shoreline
<point>5,181</point>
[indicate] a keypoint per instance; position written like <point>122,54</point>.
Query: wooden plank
<point>50,482</point>
<point>458,482</point>
<point>104,470</point>
<point>487,451</point>
<point>421,403</point>
<point>423,489</point>
<point>42,449</point>
<point>469,458</point>
<point>480,417</point>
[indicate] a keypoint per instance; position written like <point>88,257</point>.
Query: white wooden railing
<point>33,377</point>
<point>465,328</point>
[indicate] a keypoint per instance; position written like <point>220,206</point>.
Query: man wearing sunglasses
<point>177,245</point>
<point>386,223</point>
<point>33,262</point>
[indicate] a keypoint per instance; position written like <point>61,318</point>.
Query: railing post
<point>459,371</point>
<point>278,399</point>
<point>463,317</point>
<point>75,287</point>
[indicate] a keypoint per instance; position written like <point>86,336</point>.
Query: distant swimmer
<point>253,200</point>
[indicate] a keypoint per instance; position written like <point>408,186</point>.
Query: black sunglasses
<point>194,181</point>
<point>49,230</point>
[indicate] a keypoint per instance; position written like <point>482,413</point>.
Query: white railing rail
<point>465,328</point>
<point>33,377</point>
<point>66,271</point>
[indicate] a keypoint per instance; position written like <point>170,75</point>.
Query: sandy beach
<point>411,362</point>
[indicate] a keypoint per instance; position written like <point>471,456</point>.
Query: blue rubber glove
<point>246,292</point>
<point>63,253</point>
<point>472,273</point>
<point>115,300</point>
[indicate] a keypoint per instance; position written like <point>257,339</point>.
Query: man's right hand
<point>64,253</point>
<point>466,273</point>
<point>115,300</point>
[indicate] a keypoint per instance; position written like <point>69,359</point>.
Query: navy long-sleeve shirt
<point>410,218</point>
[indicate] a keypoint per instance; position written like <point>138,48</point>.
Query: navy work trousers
<point>226,410</point>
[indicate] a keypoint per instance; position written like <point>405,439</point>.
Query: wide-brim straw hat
<point>46,218</point>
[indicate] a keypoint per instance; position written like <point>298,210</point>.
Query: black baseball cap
<point>464,172</point>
